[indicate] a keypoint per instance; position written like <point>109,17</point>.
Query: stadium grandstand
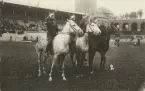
<point>19,18</point>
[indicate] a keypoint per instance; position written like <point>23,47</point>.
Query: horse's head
<point>93,28</point>
<point>72,28</point>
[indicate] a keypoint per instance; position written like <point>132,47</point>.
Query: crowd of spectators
<point>19,26</point>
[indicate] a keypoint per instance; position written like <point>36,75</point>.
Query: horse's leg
<point>91,57</point>
<point>44,62</point>
<point>103,59</point>
<point>63,68</point>
<point>60,63</point>
<point>81,63</point>
<point>72,59</point>
<point>39,62</point>
<point>117,41</point>
<point>84,58</point>
<point>52,66</point>
<point>79,59</point>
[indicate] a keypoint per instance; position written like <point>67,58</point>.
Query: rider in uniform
<point>52,31</point>
<point>83,23</point>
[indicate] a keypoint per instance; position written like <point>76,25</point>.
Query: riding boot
<point>47,47</point>
<point>51,48</point>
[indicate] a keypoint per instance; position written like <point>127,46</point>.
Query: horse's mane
<point>104,30</point>
<point>83,24</point>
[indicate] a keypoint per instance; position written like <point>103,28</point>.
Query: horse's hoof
<point>64,79</point>
<point>50,79</point>
<point>92,72</point>
<point>79,76</point>
<point>44,72</point>
<point>39,74</point>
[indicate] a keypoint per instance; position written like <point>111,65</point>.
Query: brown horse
<point>100,44</point>
<point>81,45</point>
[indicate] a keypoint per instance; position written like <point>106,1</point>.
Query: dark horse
<point>100,43</point>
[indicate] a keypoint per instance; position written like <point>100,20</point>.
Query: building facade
<point>131,26</point>
<point>24,12</point>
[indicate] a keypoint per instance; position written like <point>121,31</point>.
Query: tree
<point>115,17</point>
<point>140,13</point>
<point>133,14</point>
<point>126,15</point>
<point>106,12</point>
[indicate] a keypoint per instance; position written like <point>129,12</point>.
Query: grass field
<point>19,70</point>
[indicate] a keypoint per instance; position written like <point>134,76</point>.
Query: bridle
<point>90,29</point>
<point>75,30</point>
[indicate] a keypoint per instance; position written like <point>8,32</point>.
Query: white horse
<point>82,43</point>
<point>61,44</point>
<point>40,48</point>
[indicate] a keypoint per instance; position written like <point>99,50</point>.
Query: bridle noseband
<point>75,30</point>
<point>90,28</point>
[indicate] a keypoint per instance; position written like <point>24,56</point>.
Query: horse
<point>81,45</point>
<point>100,44</point>
<point>42,43</point>
<point>40,48</point>
<point>61,44</point>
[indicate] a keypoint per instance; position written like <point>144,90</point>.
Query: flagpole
<point>37,4</point>
<point>29,4</point>
<point>2,1</point>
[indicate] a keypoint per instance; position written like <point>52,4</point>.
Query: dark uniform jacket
<point>83,25</point>
<point>52,30</point>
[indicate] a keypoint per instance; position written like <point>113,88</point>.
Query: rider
<point>83,23</point>
<point>52,30</point>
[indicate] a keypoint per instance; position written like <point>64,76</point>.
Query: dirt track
<point>19,70</point>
